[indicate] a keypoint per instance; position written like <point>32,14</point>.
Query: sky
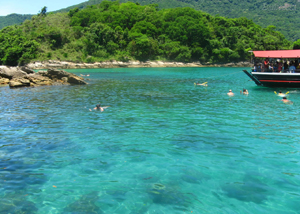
<point>34,6</point>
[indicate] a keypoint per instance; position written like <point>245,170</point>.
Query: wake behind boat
<point>278,68</point>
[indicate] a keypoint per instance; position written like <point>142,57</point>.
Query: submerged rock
<point>84,205</point>
<point>16,203</point>
<point>249,191</point>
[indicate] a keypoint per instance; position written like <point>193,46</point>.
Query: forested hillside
<point>114,31</point>
<point>13,19</point>
<point>283,14</point>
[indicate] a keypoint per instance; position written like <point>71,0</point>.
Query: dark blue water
<point>163,146</point>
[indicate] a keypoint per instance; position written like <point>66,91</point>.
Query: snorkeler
<point>230,93</point>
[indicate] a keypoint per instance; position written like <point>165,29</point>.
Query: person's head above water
<point>98,106</point>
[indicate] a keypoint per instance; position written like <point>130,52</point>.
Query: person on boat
<point>271,67</point>
<point>245,91</point>
<point>255,68</point>
<point>275,66</point>
<point>279,66</point>
<point>266,64</point>
<point>285,66</point>
<point>285,100</point>
<point>292,68</point>
<point>230,93</point>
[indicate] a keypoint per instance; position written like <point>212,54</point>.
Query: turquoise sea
<point>163,146</point>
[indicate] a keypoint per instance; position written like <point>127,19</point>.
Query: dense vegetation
<point>114,31</point>
<point>283,14</point>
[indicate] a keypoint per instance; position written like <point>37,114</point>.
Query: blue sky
<point>33,6</point>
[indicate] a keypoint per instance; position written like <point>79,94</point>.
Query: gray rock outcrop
<point>11,72</point>
<point>64,76</point>
<point>20,77</point>
<point>27,70</point>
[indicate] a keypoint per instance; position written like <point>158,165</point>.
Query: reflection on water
<point>163,146</point>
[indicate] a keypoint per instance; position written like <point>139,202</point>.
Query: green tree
<point>43,11</point>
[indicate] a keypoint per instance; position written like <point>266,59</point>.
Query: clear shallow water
<point>163,145</point>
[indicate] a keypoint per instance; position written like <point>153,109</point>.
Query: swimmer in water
<point>245,91</point>
<point>280,93</point>
<point>99,108</point>
<point>203,84</point>
<point>230,93</point>
<point>285,100</point>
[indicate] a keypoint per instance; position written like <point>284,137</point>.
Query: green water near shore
<point>163,146</point>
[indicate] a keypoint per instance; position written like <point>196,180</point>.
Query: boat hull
<point>284,80</point>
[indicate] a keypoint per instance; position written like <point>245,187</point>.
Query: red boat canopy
<point>278,54</point>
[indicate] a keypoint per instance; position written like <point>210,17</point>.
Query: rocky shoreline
<point>130,64</point>
<point>24,76</point>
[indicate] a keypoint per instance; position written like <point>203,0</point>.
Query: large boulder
<point>19,82</point>
<point>62,75</point>
<point>76,80</point>
<point>4,81</point>
<point>11,72</point>
<point>37,80</point>
<point>20,77</point>
<point>58,74</point>
<point>42,73</point>
<point>27,70</point>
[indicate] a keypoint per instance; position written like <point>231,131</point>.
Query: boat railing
<point>275,71</point>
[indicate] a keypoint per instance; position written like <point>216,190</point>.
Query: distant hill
<point>13,19</point>
<point>283,14</point>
